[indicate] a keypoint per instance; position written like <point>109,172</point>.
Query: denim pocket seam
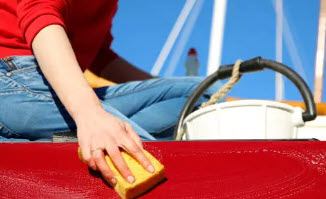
<point>23,88</point>
<point>19,70</point>
<point>8,129</point>
<point>10,91</point>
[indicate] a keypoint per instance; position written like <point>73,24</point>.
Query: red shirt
<point>87,24</point>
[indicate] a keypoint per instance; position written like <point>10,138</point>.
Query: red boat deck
<point>264,169</point>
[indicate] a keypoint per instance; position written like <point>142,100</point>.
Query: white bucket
<point>245,119</point>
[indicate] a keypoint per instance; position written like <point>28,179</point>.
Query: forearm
<point>60,67</point>
<point>97,130</point>
<point>120,71</point>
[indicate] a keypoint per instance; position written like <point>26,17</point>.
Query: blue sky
<point>141,28</point>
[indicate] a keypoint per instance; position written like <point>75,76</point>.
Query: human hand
<point>99,132</point>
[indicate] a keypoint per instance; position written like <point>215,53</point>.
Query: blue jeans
<point>31,110</point>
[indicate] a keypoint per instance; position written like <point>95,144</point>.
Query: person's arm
<point>96,129</point>
<point>120,71</point>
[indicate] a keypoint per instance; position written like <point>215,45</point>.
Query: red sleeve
<point>104,56</point>
<point>34,15</point>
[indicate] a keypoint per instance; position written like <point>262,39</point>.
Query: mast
<point>283,29</point>
<point>216,40</point>
<point>173,36</point>
<point>183,39</point>
<point>320,53</point>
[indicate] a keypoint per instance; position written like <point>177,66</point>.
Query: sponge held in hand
<point>144,180</point>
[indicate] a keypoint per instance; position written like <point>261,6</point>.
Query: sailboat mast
<point>216,40</point>
<point>181,20</point>
<point>320,53</point>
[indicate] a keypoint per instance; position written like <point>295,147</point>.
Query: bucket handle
<point>252,65</point>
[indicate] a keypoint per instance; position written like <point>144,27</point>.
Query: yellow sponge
<point>144,180</point>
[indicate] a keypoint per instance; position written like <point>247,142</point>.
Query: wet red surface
<point>194,170</point>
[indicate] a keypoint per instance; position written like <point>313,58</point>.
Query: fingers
<point>133,135</point>
<point>134,150</point>
<point>127,139</point>
<point>104,168</point>
<point>120,163</point>
<point>87,158</point>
